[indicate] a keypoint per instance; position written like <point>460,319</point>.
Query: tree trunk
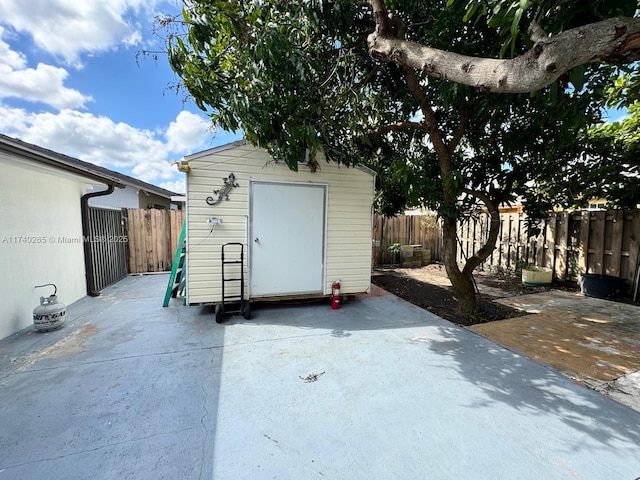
<point>461,281</point>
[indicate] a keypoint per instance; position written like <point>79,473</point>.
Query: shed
<point>300,231</point>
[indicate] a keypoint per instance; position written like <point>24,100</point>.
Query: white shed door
<point>287,238</point>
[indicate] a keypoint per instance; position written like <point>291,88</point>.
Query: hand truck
<point>235,251</point>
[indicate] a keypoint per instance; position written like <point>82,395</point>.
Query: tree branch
<point>430,121</point>
<point>396,126</point>
<point>614,41</point>
<point>381,17</point>
<point>460,130</point>
<point>483,197</point>
<point>494,229</point>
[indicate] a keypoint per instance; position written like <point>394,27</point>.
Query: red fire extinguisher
<point>335,295</point>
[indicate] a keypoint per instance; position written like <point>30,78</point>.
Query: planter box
<point>411,255</point>
<point>601,286</point>
<point>536,276</point>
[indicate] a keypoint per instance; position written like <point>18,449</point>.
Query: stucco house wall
<point>40,238</point>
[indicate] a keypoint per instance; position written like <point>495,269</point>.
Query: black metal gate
<point>108,242</point>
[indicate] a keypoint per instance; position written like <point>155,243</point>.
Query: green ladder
<point>177,277</point>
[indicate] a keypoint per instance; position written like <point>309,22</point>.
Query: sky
<point>70,82</point>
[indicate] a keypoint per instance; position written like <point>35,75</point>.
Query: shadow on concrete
<point>508,378</point>
<point>358,314</point>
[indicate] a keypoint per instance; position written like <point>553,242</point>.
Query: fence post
<point>615,244</point>
<point>634,250</point>
<point>583,259</point>
<point>560,249</point>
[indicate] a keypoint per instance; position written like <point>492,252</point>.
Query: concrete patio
<point>128,389</point>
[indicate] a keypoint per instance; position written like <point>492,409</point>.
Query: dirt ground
<point>593,341</point>
<point>429,287</point>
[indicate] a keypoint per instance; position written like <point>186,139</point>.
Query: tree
<point>604,161</point>
<point>612,40</point>
<point>341,76</point>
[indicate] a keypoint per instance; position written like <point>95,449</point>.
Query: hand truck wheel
<point>219,313</point>
<point>246,310</point>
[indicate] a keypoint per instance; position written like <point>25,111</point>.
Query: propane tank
<point>49,315</point>
<point>335,295</point>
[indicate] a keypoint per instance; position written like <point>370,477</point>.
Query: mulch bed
<point>441,300</point>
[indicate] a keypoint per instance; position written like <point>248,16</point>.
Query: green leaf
<point>470,12</point>
<point>515,25</point>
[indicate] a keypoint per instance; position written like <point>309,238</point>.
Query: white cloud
<point>67,28</point>
<point>44,84</point>
<point>14,121</point>
<point>10,59</point>
<point>148,171</point>
<point>178,186</point>
<point>187,132</point>
<point>95,139</point>
<point>99,140</point>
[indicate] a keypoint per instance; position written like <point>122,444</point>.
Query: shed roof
<point>239,143</point>
<point>214,150</point>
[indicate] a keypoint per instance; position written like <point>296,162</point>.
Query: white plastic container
<point>536,276</point>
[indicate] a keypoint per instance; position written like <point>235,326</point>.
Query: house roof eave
<point>21,149</point>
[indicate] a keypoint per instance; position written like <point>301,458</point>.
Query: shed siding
<point>349,213</point>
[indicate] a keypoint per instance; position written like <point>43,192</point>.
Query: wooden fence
<point>570,243</point>
<point>405,230</point>
<point>153,238</point>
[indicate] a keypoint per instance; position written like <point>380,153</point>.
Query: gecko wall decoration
<point>229,184</point>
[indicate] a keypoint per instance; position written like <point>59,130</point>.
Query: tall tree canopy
<point>368,82</point>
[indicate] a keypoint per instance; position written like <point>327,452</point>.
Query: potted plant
<point>533,276</point>
<point>394,248</point>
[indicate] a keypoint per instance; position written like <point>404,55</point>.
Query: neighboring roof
<point>78,167</point>
<point>147,187</point>
<point>240,143</point>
